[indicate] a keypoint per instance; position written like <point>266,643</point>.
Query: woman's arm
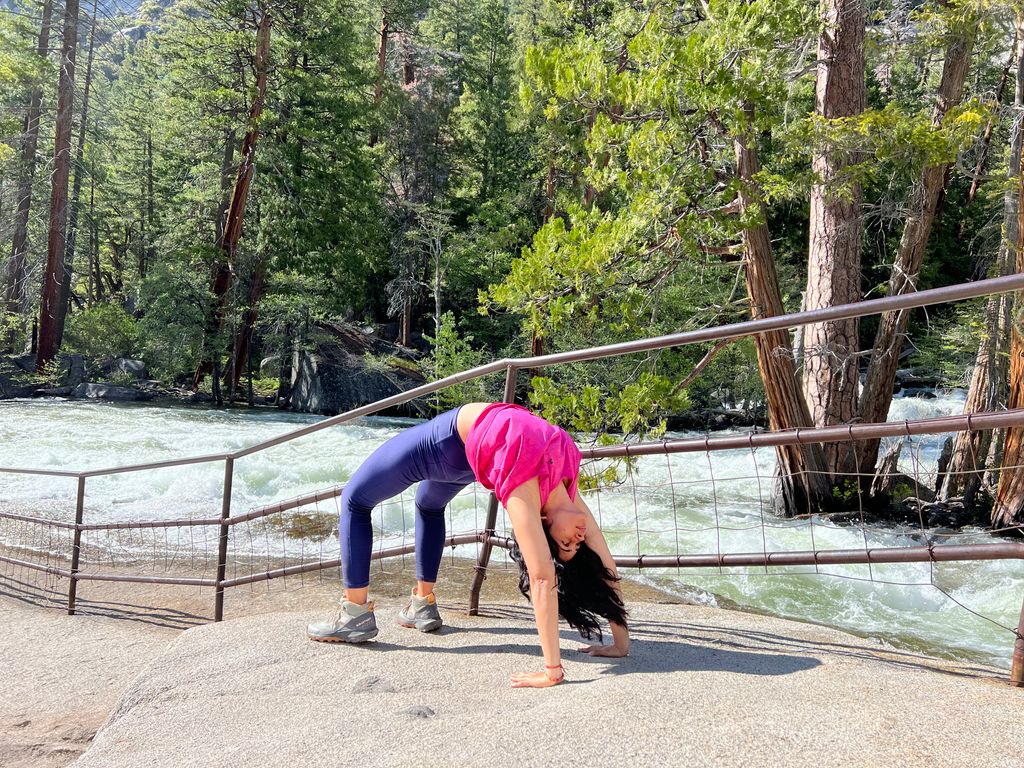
<point>524,512</point>
<point>595,540</point>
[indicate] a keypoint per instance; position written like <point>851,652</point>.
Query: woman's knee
<point>358,499</point>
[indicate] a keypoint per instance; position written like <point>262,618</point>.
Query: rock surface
<point>701,687</point>
<point>127,367</point>
<point>352,368</point>
<point>102,391</point>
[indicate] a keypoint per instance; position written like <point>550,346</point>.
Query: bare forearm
<point>620,636</point>
<point>545,610</point>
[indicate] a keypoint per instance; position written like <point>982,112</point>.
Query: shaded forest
<point>207,184</point>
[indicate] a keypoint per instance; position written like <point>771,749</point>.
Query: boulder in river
<point>103,391</point>
<point>125,366</point>
<point>19,379</point>
<point>14,381</point>
<point>350,368</point>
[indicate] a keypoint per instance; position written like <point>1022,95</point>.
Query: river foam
<point>686,503</point>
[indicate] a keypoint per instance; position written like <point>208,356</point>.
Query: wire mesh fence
<point>699,510</point>
<point>696,517</point>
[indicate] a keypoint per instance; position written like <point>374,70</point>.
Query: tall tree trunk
<point>382,66</point>
<point>833,272</point>
<point>241,348</point>
<point>549,191</point>
<point>226,167</point>
<point>986,138</point>
<point>76,187</point>
<point>437,292</point>
<point>15,293</point>
<point>405,324</point>
<point>1008,509</point>
<point>804,477</point>
<point>989,380</point>
<point>51,309</point>
<point>243,338</point>
<point>924,200</point>
<point>94,241</point>
<point>147,209</point>
<point>289,347</point>
<point>150,200</point>
<point>228,244</point>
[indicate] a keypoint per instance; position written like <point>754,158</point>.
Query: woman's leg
<point>431,452</point>
<point>386,473</point>
<point>431,499</point>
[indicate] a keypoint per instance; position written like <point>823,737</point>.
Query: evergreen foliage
<point>521,174</point>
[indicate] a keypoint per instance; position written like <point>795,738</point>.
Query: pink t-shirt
<point>509,445</point>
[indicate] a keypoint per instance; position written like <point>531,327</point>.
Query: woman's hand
<point>537,679</point>
<point>613,651</point>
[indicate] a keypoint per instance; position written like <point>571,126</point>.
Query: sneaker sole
<point>360,638</point>
<point>428,626</point>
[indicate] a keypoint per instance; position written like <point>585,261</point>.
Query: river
<point>688,503</point>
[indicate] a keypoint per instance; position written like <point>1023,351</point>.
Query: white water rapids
<point>687,503</point>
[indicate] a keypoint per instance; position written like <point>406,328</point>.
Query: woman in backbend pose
<point>533,468</point>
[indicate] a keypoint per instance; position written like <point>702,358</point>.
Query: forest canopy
<point>205,183</point>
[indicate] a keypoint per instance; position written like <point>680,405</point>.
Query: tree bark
<point>51,309</point>
<point>986,139</point>
<point>830,378</point>
<point>802,471</point>
<point>147,253</point>
<point>924,200</point>
<point>94,240</point>
<point>989,380</point>
<point>76,187</point>
<point>1008,509</point>
<point>15,293</point>
<point>243,339</point>
<point>228,243</point>
<point>382,66</point>
<point>289,349</point>
<point>226,166</point>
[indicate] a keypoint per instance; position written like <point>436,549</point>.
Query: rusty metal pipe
<point>126,578</point>
<point>938,425</point>
<point>284,506</point>
<point>38,520</point>
<point>939,554</point>
<point>76,546</point>
<point>492,517</point>
<point>1017,662</point>
<point>451,541</point>
<point>222,544</point>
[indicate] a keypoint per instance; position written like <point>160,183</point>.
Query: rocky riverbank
<point>349,367</point>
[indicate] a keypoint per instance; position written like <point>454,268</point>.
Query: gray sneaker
<point>351,624</point>
<point>421,613</point>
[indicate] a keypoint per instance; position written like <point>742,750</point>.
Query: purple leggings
<point>431,454</point>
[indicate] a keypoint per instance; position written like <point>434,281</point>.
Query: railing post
<point>1017,666</point>
<point>222,548</point>
<point>492,515</point>
<point>76,547</point>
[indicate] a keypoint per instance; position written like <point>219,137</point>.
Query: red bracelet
<point>557,666</point>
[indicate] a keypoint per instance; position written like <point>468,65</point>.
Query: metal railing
<point>488,538</point>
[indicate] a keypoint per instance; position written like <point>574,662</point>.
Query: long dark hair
<point>585,589</point>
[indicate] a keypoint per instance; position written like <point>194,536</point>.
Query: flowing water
<point>687,503</point>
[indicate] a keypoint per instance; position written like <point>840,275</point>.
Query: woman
<point>533,468</point>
